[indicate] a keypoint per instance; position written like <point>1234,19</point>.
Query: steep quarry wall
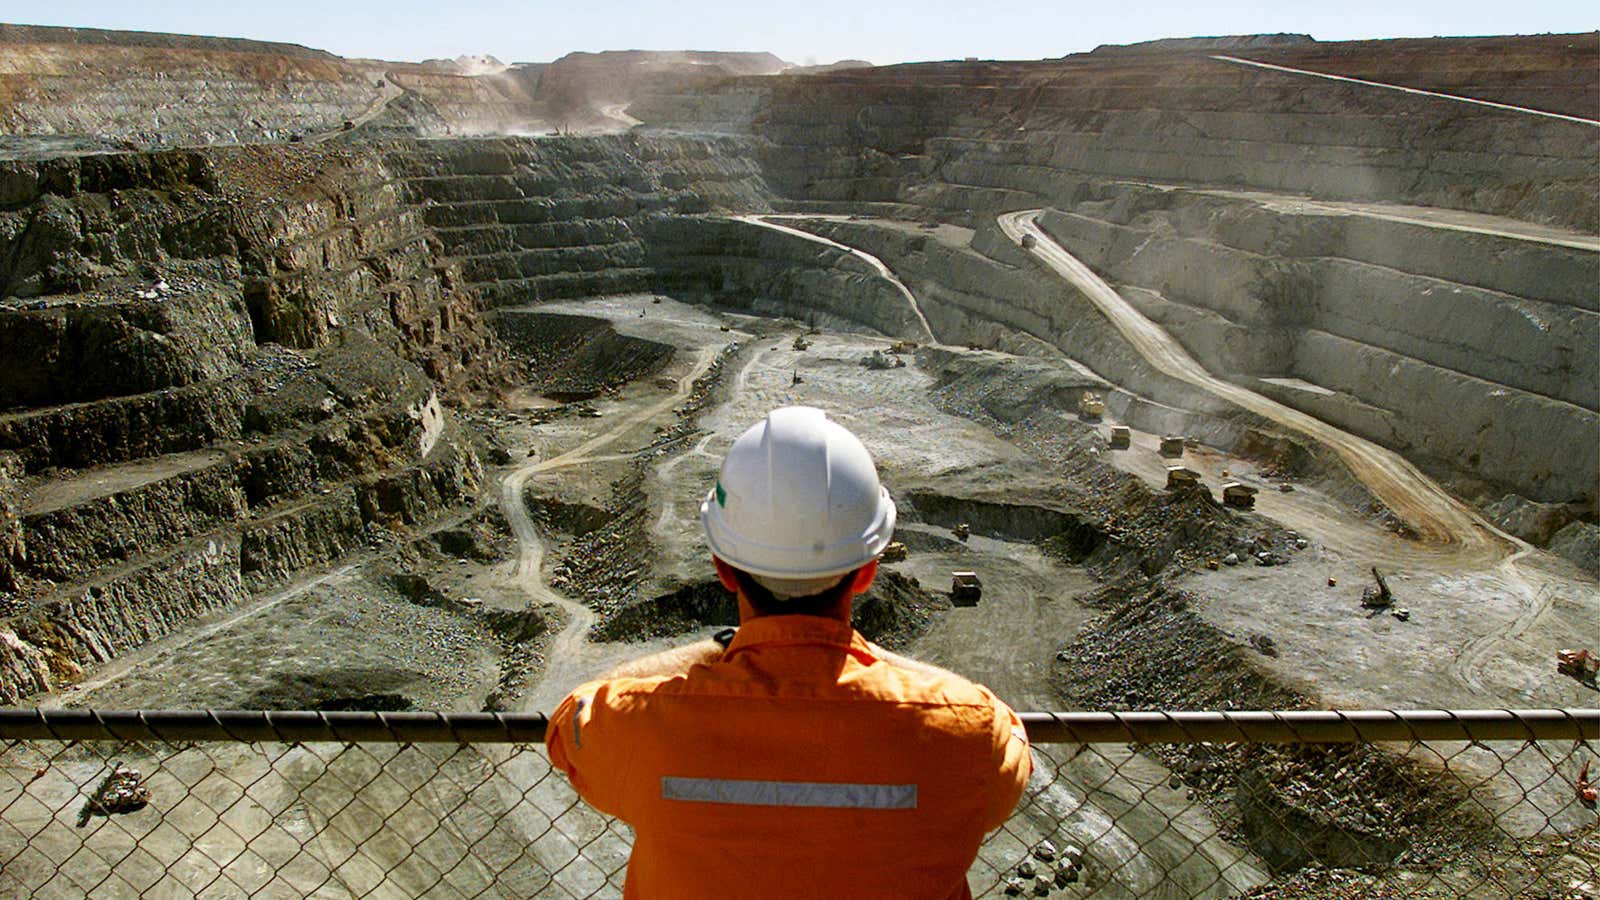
<point>1438,360</point>
<point>148,88</point>
<point>533,220</point>
<point>231,364</point>
<point>74,89</point>
<point>1554,72</point>
<point>977,289</point>
<point>769,272</point>
<point>239,353</point>
<point>1176,176</point>
<point>984,129</point>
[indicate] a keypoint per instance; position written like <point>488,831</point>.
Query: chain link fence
<point>1261,804</point>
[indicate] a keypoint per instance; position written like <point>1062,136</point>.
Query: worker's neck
<point>839,612</point>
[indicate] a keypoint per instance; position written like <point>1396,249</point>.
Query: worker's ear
<point>862,579</point>
<point>725,574</point>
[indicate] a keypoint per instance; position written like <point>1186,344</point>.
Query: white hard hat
<point>797,500</point>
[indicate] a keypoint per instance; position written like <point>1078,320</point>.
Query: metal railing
<point>1172,804</point>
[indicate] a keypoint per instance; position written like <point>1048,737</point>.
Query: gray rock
<point>1536,523</point>
<point>1579,542</point>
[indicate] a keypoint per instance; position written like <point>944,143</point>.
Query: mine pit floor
<point>1033,603</point>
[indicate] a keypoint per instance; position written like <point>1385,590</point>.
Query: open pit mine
<point>339,384</point>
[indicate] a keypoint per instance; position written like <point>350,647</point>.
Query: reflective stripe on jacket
<point>800,765</point>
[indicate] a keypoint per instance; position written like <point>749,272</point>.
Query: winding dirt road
<point>1438,518</point>
<point>876,263</point>
<point>571,657</point>
<point>386,95</point>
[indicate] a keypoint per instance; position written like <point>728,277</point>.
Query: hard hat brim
<point>816,561</point>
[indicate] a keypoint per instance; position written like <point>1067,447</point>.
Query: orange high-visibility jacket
<point>800,765</point>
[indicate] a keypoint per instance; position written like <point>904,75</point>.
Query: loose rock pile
<point>1340,805</point>
<point>121,791</point>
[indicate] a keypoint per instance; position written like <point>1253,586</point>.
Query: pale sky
<point>882,32</point>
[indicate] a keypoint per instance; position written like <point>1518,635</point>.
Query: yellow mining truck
<point>965,588</point>
<point>1239,496</point>
<point>1121,437</point>
<point>1091,406</point>
<point>1171,447</point>
<point>1182,478</point>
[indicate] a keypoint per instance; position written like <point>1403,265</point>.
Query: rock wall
<point>997,299</point>
<point>235,364</point>
<point>1436,360</point>
<point>533,220</point>
<point>231,361</point>
<point>1175,176</point>
<point>578,357</point>
<point>74,89</point>
<point>1184,118</point>
<point>768,272</point>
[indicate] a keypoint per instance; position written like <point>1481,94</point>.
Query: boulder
<point>1529,520</point>
<point>1579,542</point>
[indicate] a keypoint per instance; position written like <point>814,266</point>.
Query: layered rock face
<point>226,367</point>
<point>1470,351</point>
<point>537,220</point>
<point>235,358</point>
<point>65,89</point>
<point>534,220</point>
<point>228,370</point>
<point>1466,342</point>
<point>984,129</point>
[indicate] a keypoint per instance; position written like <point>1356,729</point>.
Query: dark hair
<point>767,604</point>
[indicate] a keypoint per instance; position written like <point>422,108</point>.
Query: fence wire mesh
<point>1426,804</point>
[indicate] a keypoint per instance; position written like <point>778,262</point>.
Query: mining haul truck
<point>965,588</point>
<point>1239,496</point>
<point>1182,478</point>
<point>1091,406</point>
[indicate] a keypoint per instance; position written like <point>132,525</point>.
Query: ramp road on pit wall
<point>1456,98</point>
<point>1437,517</point>
<point>876,263</point>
